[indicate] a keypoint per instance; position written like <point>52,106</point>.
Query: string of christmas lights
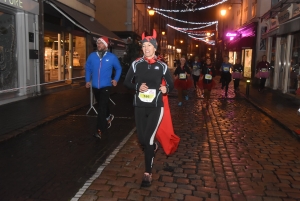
<point>186,29</point>
<point>211,42</point>
<point>192,9</point>
<point>183,20</point>
<point>203,34</point>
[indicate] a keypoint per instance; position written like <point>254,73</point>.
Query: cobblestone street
<point>229,150</point>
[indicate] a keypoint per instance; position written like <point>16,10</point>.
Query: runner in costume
<point>182,81</point>
<point>145,76</point>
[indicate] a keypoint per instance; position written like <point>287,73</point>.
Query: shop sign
<point>283,16</point>
<point>27,5</point>
<point>296,9</point>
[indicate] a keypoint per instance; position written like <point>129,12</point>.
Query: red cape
<point>165,133</point>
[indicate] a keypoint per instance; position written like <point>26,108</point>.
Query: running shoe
<point>186,97</point>
<point>180,103</point>
<point>98,134</point>
<point>147,179</point>
<point>109,120</point>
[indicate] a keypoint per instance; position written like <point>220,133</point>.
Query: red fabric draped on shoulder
<point>165,133</point>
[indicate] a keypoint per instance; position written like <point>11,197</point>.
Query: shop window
<point>63,60</point>
<point>294,73</point>
<point>272,62</point>
<point>8,64</point>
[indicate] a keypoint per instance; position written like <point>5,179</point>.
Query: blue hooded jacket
<point>100,70</point>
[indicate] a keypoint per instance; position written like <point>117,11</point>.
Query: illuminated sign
<point>27,5</point>
<point>231,34</point>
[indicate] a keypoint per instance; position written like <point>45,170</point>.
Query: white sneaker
<point>109,120</point>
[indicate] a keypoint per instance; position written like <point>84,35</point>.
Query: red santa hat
<point>103,40</point>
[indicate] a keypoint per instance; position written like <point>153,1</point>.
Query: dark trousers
<point>147,121</point>
<point>102,98</point>
<point>196,79</point>
<point>262,83</point>
<point>236,83</point>
<point>226,79</point>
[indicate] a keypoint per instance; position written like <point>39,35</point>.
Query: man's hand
<point>88,85</point>
<point>114,83</point>
<point>163,89</point>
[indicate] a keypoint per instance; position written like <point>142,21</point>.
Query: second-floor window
<point>274,2</point>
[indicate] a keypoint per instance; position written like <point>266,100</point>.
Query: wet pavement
<point>53,161</point>
<point>231,149</point>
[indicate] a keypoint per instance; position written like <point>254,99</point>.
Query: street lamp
<point>181,41</point>
<point>223,13</point>
<point>151,13</point>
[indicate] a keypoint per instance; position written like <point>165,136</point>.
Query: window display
<point>294,73</point>
<point>247,59</point>
<point>58,65</point>
<point>8,64</point>
<point>272,62</point>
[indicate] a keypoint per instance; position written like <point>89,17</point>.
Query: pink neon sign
<point>231,34</point>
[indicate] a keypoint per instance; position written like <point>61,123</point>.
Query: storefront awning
<point>290,26</point>
<point>85,22</point>
<point>242,43</point>
<point>270,33</point>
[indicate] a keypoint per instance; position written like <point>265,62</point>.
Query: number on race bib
<point>208,77</point>
<point>147,96</point>
<point>182,76</point>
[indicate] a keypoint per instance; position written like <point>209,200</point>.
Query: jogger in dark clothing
<point>237,71</point>
<point>225,74</point>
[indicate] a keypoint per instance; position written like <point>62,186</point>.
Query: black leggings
<point>226,79</point>
<point>236,83</point>
<point>196,79</point>
<point>147,121</point>
<point>102,98</point>
<point>262,83</point>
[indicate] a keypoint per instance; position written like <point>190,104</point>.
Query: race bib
<point>225,69</point>
<point>264,70</point>
<point>147,96</point>
<point>208,77</point>
<point>194,67</point>
<point>182,76</point>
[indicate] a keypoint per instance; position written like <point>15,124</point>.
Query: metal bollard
<point>247,87</point>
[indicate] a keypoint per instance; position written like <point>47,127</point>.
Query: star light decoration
<point>194,9</point>
<point>193,4</point>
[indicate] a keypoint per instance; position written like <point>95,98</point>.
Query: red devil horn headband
<point>153,36</point>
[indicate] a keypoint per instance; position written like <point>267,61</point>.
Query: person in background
<point>196,68</point>
<point>98,75</point>
<point>237,75</point>
<point>182,83</point>
<point>263,69</point>
<point>146,75</point>
<point>225,74</point>
<point>207,83</point>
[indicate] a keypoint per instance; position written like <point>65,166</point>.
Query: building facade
<point>242,33</point>
<point>19,66</point>
<point>45,43</point>
<point>283,38</point>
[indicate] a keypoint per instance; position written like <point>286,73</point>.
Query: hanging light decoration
<point>183,21</point>
<point>195,28</point>
<point>191,4</point>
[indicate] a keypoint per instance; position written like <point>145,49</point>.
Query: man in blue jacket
<point>98,74</point>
